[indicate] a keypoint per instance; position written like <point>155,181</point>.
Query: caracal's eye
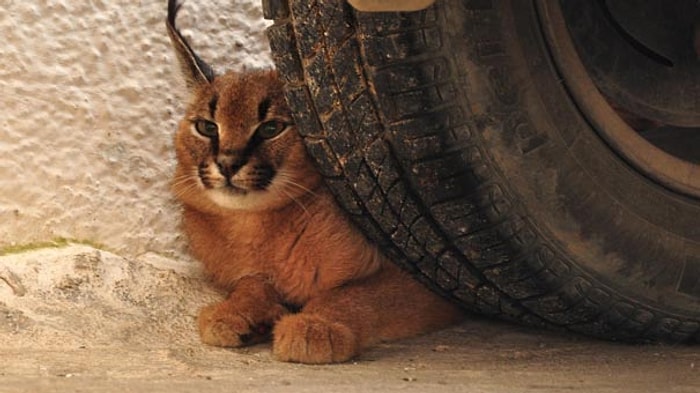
<point>270,129</point>
<point>206,128</point>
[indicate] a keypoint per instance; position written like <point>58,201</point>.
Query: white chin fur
<point>254,200</point>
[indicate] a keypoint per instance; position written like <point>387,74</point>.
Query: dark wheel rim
<point>647,105</point>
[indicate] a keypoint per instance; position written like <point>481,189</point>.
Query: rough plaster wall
<point>90,97</point>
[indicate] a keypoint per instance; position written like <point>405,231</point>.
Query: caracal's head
<point>237,147</point>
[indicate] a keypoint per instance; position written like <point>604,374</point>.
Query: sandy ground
<point>78,319</point>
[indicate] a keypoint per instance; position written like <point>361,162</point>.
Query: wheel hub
<point>637,86</point>
<point>642,55</point>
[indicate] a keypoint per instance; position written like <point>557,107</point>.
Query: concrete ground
<point>78,319</point>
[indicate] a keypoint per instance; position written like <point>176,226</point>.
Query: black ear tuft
<point>195,70</point>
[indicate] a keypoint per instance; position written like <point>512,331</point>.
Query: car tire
<point>452,139</point>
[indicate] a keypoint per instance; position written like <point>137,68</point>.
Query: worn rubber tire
<point>449,137</point>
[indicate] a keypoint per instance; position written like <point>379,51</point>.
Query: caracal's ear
<point>194,69</point>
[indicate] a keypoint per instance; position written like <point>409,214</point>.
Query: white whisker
<point>185,184</point>
<point>182,192</point>
<point>285,184</point>
<point>299,186</point>
<point>283,191</point>
<point>288,180</point>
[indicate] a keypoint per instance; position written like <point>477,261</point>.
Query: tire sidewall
<point>599,215</point>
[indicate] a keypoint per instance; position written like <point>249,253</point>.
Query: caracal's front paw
<point>222,327</point>
<point>311,339</point>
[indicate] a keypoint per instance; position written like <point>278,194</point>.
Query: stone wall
<point>91,95</point>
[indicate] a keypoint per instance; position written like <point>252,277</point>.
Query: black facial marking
<point>250,147</point>
<point>215,146</point>
<point>263,108</point>
<point>263,176</point>
<point>213,103</point>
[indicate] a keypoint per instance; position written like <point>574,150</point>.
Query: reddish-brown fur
<point>288,246</point>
